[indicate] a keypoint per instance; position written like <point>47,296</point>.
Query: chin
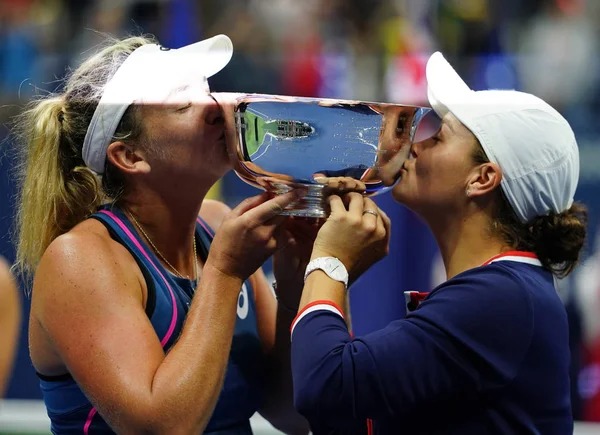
<point>403,195</point>
<point>219,157</point>
<point>400,193</point>
<point>220,168</point>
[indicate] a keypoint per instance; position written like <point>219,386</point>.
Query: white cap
<point>531,142</point>
<point>148,75</point>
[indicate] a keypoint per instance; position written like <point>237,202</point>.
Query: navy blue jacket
<point>486,352</point>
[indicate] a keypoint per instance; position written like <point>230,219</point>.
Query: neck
<point>466,243</point>
<point>169,223</point>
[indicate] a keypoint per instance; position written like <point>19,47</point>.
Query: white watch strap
<point>322,263</point>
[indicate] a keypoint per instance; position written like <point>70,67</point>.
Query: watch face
<point>336,269</point>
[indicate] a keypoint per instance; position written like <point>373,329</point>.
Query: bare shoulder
<point>85,245</point>
<point>213,212</point>
<point>83,261</point>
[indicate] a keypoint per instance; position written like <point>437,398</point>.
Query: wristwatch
<point>332,266</point>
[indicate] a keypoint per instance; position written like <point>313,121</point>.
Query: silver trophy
<point>289,142</point>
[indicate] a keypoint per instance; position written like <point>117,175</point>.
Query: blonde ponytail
<point>56,190</point>
<point>51,202</point>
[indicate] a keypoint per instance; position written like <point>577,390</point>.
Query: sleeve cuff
<point>316,306</point>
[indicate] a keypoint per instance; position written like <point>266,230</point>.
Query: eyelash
<point>183,109</point>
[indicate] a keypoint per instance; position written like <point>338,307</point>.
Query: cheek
<point>440,176</point>
<point>187,138</point>
<point>169,128</point>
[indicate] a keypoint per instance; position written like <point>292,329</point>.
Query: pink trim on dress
<point>119,222</point>
<point>208,230</point>
<point>88,422</point>
<point>167,336</point>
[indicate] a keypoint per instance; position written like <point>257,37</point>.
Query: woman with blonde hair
<point>149,310</point>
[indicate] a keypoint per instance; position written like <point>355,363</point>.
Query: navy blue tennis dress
<point>168,302</point>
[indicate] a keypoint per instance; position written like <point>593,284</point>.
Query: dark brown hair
<point>556,238</point>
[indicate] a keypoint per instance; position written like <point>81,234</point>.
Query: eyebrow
<point>449,125</point>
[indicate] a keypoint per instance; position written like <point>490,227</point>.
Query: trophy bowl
<point>286,142</point>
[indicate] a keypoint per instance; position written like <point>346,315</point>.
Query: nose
<point>214,113</point>
<point>416,148</point>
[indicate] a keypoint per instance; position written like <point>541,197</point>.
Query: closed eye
<point>184,108</point>
<point>436,136</point>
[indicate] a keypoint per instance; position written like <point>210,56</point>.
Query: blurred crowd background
<point>373,50</point>
<point>364,49</point>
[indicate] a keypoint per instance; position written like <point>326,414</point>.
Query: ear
<point>127,159</point>
<point>484,179</point>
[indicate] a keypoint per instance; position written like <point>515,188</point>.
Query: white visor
<point>148,75</point>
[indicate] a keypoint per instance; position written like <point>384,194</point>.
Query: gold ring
<point>373,212</point>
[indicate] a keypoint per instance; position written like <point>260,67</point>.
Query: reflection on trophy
<point>290,142</point>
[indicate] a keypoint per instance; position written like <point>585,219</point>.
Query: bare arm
<point>89,302</point>
<point>10,322</point>
<point>114,353</point>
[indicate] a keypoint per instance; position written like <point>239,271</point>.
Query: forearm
<point>320,353</point>
<point>186,386</point>
<point>406,366</point>
<point>324,391</point>
<point>320,287</point>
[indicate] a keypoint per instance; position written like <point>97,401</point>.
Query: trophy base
<point>310,205</point>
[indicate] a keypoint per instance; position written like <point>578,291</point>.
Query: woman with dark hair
<point>487,351</point>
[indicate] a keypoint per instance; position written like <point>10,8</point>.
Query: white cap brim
<point>444,85</point>
<point>147,75</point>
<point>216,53</point>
